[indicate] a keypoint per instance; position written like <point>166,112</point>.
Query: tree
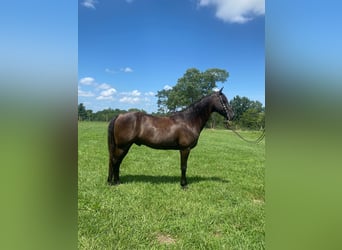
<point>189,88</point>
<point>163,97</point>
<point>107,114</point>
<point>89,114</point>
<point>137,110</point>
<point>239,105</point>
<point>250,119</point>
<point>248,114</point>
<point>216,121</point>
<point>82,113</point>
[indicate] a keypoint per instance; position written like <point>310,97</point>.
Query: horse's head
<point>221,105</point>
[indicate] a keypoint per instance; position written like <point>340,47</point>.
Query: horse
<point>178,131</point>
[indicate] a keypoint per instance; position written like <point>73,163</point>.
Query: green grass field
<point>223,207</point>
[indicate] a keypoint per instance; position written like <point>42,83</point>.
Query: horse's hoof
<point>184,187</point>
<point>113,183</point>
<point>116,183</point>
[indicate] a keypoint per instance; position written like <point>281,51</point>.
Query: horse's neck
<point>205,117</point>
<point>201,114</point>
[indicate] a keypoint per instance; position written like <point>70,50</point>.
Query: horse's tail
<point>111,139</point>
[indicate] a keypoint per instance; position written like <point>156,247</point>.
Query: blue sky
<point>130,49</point>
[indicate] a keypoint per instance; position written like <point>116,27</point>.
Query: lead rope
<point>258,140</point>
<point>229,126</point>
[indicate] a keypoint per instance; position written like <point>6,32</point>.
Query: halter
<point>224,106</point>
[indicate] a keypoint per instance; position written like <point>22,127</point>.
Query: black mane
<point>195,108</point>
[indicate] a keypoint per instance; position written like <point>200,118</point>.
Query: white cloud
<point>104,97</point>
<point>87,81</point>
<point>84,93</point>
<point>150,93</point>
<point>111,71</point>
<point>135,93</point>
<point>103,86</point>
<point>130,99</point>
<point>89,3</point>
<point>132,93</point>
<point>126,70</point>
<point>103,91</point>
<point>236,11</point>
<point>90,81</point>
<point>167,87</point>
<point>108,92</point>
<point>146,99</point>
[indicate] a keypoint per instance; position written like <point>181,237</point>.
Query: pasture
<point>223,207</point>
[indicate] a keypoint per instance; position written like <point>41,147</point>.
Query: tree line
<point>103,115</point>
<point>192,86</point>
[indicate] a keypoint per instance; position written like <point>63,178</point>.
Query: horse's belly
<point>158,143</point>
<point>169,141</point>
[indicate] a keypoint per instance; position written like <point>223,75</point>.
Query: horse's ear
<point>220,91</point>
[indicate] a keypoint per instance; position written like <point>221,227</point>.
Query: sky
<point>130,49</point>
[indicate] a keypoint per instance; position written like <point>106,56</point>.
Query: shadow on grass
<point>159,179</point>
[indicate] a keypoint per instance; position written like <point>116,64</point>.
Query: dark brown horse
<point>178,131</point>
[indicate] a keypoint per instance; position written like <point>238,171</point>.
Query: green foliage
<point>82,113</point>
<point>216,121</point>
<point>251,119</point>
<point>248,114</point>
<point>223,207</point>
<point>189,88</point>
<point>103,115</point>
<point>107,114</point>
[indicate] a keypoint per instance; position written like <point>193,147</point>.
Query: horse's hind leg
<point>115,160</point>
<point>110,169</point>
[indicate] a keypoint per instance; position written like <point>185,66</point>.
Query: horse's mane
<point>195,108</point>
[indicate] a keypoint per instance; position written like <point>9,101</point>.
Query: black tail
<point>111,140</point>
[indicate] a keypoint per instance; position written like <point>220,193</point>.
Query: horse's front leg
<point>184,154</point>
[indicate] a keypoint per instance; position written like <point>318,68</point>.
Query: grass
<point>223,207</point>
